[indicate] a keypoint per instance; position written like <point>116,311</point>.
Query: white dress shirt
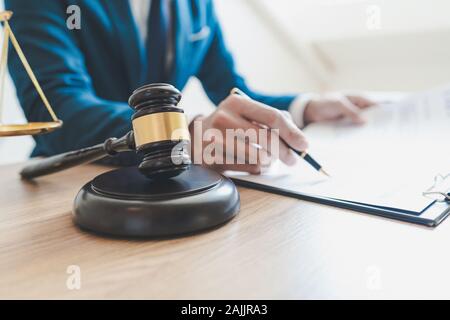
<point>141,13</point>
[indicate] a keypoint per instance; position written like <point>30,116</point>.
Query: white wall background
<point>408,50</point>
<point>315,45</point>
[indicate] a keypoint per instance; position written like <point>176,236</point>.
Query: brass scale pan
<point>33,128</point>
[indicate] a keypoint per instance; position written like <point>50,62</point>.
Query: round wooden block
<point>125,203</point>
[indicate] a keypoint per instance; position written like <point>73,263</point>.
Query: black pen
<point>303,154</point>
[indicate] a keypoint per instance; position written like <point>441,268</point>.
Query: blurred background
<point>315,45</point>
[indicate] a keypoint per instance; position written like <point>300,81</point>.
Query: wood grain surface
<point>277,248</point>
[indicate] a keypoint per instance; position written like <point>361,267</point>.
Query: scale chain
<point>30,71</point>
<point>3,65</point>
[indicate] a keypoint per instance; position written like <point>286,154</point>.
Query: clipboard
<point>397,128</point>
<point>431,216</point>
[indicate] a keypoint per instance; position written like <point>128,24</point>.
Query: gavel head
<point>160,131</point>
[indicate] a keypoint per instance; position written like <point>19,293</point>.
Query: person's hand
<point>238,112</point>
<point>334,107</point>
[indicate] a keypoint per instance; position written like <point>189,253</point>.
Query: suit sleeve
<point>218,73</point>
<point>55,57</point>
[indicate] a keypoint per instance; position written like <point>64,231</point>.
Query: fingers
<point>276,148</point>
<point>272,118</point>
<point>235,154</point>
<point>240,136</point>
<point>349,110</point>
<point>360,101</point>
<point>284,153</point>
<point>244,152</point>
<point>245,129</point>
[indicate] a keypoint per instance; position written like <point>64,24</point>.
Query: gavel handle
<point>72,159</point>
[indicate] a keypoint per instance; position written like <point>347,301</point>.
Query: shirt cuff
<point>298,106</point>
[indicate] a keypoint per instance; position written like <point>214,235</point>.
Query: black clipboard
<point>432,216</point>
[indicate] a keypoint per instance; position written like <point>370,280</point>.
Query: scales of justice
<point>33,128</point>
<point>164,196</point>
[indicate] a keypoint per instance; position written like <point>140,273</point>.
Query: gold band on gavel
<point>165,126</point>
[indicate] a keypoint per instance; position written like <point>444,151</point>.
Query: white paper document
<point>388,163</point>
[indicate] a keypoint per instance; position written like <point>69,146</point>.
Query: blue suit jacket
<point>89,74</point>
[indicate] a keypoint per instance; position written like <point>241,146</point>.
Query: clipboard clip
<point>434,193</point>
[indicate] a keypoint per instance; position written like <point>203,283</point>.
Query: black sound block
<point>125,203</point>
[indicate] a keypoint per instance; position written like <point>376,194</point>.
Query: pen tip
<point>325,173</point>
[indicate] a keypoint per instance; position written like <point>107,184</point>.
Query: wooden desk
<point>276,248</point>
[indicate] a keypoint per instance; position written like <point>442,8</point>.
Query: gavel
<point>160,136</point>
<point>166,195</point>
